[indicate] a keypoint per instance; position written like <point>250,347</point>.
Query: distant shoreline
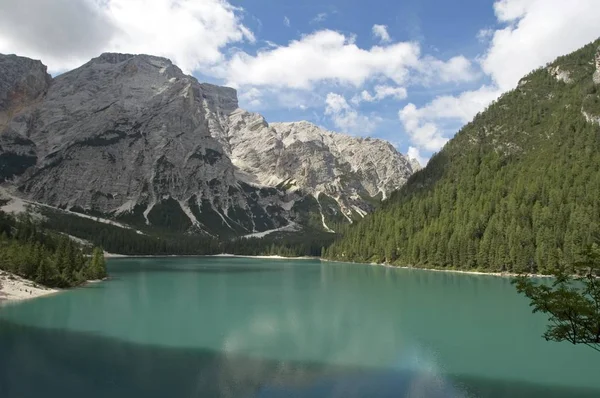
<point>223,255</point>
<point>458,271</point>
<point>227,255</point>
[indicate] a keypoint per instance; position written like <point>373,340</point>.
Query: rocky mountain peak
<point>112,58</point>
<point>350,170</point>
<point>23,80</point>
<point>132,136</point>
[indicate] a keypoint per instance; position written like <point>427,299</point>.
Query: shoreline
<point>13,289</point>
<point>228,255</point>
<point>458,271</point>
<point>223,255</point>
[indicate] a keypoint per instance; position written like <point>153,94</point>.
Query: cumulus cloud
<point>286,21</point>
<point>434,71</point>
<point>381,92</point>
<point>251,97</point>
<point>345,117</point>
<point>328,55</point>
<point>534,32</point>
<point>462,107</point>
<point>61,32</point>
<point>414,153</point>
<point>423,124</point>
<point>425,135</point>
<point>66,33</point>
<point>380,32</point>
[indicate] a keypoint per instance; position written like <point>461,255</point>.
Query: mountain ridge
<point>514,191</point>
<point>131,137</point>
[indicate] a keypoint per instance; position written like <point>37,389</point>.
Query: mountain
<point>515,190</point>
<point>131,138</point>
<point>351,171</point>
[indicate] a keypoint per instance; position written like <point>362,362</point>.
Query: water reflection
<point>68,364</point>
<point>36,362</point>
<point>287,329</point>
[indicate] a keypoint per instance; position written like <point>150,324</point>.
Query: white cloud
<point>320,17</point>
<point>380,32</point>
<point>381,92</point>
<point>462,107</point>
<point>66,33</point>
<point>535,33</point>
<point>251,97</point>
<point>331,56</point>
<point>485,34</point>
<point>511,10</point>
<point>414,153</point>
<point>425,135</point>
<point>423,124</point>
<point>345,117</point>
<point>456,70</point>
<point>286,21</point>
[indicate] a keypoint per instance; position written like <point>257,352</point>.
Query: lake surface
<point>233,327</point>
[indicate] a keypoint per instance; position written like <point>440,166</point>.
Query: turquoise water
<point>232,327</point>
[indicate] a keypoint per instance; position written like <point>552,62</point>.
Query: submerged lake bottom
<point>237,327</point>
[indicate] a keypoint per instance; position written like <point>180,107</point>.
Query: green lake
<point>236,327</point>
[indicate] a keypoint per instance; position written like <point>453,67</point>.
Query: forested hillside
<point>517,189</point>
<point>45,257</point>
<point>155,241</point>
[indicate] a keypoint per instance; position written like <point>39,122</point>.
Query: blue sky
<point>440,27</point>
<point>412,72</point>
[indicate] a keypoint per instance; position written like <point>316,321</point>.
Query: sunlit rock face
<point>133,136</point>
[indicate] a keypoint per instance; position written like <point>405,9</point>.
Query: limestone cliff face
<point>23,82</point>
<point>131,136</point>
<point>348,169</point>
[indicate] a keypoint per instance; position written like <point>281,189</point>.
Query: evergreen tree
<point>46,257</point>
<point>515,190</point>
<point>97,266</point>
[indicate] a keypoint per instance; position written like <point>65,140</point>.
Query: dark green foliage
<point>168,214</point>
<point>212,222</point>
<point>50,259</point>
<point>115,239</point>
<point>97,267</point>
<point>374,201</point>
<point>310,243</point>
<point>261,220</point>
<point>241,217</point>
<point>134,217</point>
<point>331,211</point>
<point>307,212</point>
<point>573,303</point>
<point>516,189</point>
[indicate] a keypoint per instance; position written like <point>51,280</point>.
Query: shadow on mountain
<point>38,362</point>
